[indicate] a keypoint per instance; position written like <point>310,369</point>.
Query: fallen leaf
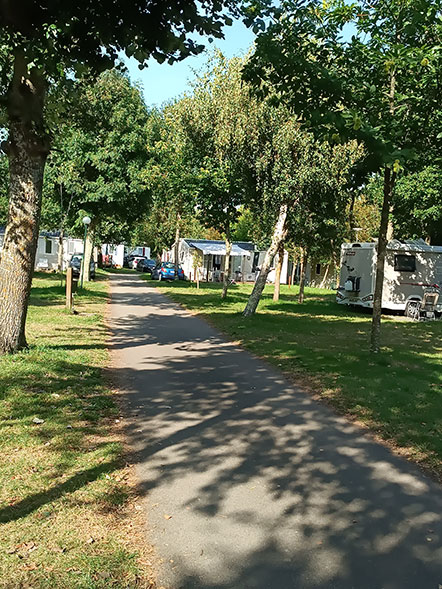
<point>90,540</point>
<point>38,421</point>
<point>167,516</point>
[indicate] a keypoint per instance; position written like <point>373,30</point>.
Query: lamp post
<point>86,223</point>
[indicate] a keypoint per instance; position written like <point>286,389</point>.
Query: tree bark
<point>279,234</point>
<point>292,278</point>
<point>304,259</point>
<point>60,251</point>
<point>324,278</point>
<point>277,288</point>
<point>27,148</point>
<point>389,181</point>
<point>177,244</point>
<point>226,265</point>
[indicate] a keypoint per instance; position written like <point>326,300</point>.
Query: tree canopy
<point>378,85</point>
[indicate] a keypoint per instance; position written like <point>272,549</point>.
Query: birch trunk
<point>226,266</point>
<point>60,251</point>
<point>324,278</point>
<point>177,245</point>
<point>304,259</point>
<point>292,278</point>
<point>27,150</point>
<point>375,341</point>
<point>279,234</point>
<point>277,288</point>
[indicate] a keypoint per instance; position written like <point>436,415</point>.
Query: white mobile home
<point>411,267</point>
<point>213,254</point>
<point>46,257</point>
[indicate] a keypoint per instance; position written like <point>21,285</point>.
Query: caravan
<point>411,269</point>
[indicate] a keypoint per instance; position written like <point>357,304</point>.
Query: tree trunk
<point>88,251</point>
<point>277,288</point>
<point>226,265</point>
<point>389,180</point>
<point>27,149</point>
<point>60,251</point>
<point>304,259</point>
<point>351,216</point>
<point>292,278</point>
<point>279,234</point>
<point>324,278</point>
<point>177,245</point>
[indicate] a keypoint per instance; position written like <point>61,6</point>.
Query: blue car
<point>166,271</point>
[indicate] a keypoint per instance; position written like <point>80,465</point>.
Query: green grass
<point>397,393</point>
<point>64,492</point>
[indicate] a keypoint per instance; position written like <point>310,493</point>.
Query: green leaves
<point>378,86</point>
<point>100,156</point>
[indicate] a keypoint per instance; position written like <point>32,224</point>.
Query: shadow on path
<point>266,487</point>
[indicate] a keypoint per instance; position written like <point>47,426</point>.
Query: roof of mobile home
<point>406,245</point>
<point>218,247</point>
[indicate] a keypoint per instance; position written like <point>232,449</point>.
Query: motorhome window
<point>403,263</point>
<point>48,246</point>
<point>318,269</point>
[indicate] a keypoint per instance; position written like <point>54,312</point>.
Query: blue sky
<point>162,82</point>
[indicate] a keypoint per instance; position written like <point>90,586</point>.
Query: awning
<point>219,249</point>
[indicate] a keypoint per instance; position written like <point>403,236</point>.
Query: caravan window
<point>404,263</point>
<point>48,246</point>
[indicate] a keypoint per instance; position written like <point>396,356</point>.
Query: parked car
<point>146,265</point>
<point>75,264</point>
<point>166,271</point>
<point>134,262</point>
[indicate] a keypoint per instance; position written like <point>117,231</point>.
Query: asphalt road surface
<point>250,483</point>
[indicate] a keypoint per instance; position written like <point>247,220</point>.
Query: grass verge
<point>65,489</point>
<point>397,394</point>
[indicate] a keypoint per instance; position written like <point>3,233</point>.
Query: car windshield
<point>168,265</point>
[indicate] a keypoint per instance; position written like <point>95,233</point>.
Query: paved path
<point>266,488</point>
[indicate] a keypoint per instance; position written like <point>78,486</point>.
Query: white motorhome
<point>411,267</point>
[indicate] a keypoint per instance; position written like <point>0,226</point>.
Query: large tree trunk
<point>277,288</point>
<point>226,266</point>
<point>389,180</point>
<point>27,148</point>
<point>279,234</point>
<point>304,260</point>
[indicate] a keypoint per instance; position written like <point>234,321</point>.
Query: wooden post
<point>69,283</point>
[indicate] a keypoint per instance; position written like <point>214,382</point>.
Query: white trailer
<point>411,267</point>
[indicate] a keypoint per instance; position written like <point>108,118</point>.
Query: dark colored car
<point>146,265</point>
<point>75,264</point>
<point>166,271</point>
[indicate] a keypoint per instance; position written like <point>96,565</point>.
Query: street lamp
<point>86,223</point>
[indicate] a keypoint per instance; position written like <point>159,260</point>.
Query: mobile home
<point>48,246</point>
<point>411,267</point>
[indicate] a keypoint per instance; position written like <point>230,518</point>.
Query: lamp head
<point>86,220</point>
